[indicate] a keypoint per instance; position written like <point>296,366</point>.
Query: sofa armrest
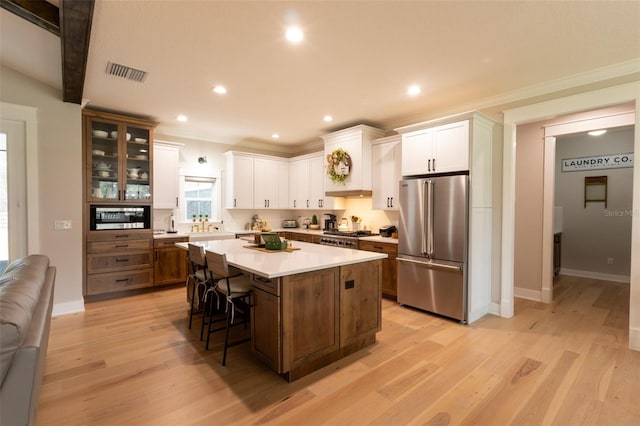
<point>21,387</point>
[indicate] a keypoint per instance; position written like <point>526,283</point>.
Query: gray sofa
<point>26,301</point>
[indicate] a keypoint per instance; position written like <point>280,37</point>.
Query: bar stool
<point>199,278</point>
<point>235,289</point>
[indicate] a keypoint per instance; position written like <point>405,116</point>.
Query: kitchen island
<point>311,306</point>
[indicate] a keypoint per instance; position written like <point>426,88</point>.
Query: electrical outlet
<point>610,261</point>
<point>62,224</point>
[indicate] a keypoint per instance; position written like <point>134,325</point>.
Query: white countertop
<point>310,257</point>
<point>379,239</point>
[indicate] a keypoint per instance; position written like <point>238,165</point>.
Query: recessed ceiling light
<point>414,90</point>
<point>597,132</point>
<point>294,34</point>
<point>182,118</point>
<point>327,118</point>
<point>275,136</point>
<point>220,90</point>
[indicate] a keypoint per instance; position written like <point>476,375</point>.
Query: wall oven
<point>103,218</point>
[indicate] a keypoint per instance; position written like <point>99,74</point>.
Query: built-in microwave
<point>114,217</point>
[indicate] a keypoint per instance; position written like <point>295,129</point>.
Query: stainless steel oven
<point>114,217</point>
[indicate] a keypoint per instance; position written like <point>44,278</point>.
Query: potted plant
<point>314,222</point>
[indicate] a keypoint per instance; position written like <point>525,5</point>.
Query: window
<point>199,197</point>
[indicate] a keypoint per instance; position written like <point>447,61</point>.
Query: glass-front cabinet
<point>119,157</point>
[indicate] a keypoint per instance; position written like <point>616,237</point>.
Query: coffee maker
<point>330,222</point>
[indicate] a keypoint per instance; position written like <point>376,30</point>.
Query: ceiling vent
<point>124,71</point>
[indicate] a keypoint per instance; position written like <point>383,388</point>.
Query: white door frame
<point>531,113</point>
<point>28,115</point>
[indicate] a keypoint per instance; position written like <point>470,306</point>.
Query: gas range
<point>346,239</point>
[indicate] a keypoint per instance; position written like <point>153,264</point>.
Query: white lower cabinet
<point>386,164</point>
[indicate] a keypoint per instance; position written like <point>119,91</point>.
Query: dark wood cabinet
<point>389,265</point>
<point>360,305</point>
<point>170,262</point>
<point>557,253</point>
<point>118,169</point>
<point>118,260</point>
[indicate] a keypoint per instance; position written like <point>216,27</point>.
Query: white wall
<point>59,167</point>
<point>593,234</point>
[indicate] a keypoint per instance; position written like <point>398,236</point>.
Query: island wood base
<point>303,322</point>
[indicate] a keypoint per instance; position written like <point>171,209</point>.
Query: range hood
<point>356,142</point>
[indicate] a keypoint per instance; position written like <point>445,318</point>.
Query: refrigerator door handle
<point>430,218</point>
<point>431,265</point>
<point>423,230</point>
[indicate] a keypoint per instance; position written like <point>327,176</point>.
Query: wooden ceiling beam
<point>75,31</point>
<point>42,13</point>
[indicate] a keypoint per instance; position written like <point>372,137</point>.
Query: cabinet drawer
<point>119,235</point>
<point>168,242</point>
<point>117,281</point>
<point>270,285</point>
<point>390,249</point>
<point>111,246</point>
<point>115,262</point>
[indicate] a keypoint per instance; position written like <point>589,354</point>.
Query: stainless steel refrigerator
<point>432,246</point>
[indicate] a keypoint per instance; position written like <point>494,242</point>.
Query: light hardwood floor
<point>133,361</point>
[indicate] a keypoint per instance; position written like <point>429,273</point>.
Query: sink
<point>204,236</point>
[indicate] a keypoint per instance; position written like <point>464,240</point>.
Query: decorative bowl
<point>103,173</point>
<point>100,133</point>
<point>97,152</point>
<point>314,227</point>
<point>142,140</point>
<point>114,135</point>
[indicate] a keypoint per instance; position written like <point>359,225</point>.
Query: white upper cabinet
<point>386,164</point>
<point>239,180</point>
<point>306,184</point>
<point>165,176</point>
<point>256,181</point>
<point>355,141</point>
<point>439,149</point>
<point>298,183</point>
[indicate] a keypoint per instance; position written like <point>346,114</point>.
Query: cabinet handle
<point>307,203</point>
<point>434,164</point>
<point>122,280</point>
<point>377,247</point>
<point>429,164</point>
<point>176,201</point>
<point>119,194</point>
<point>122,245</point>
<point>234,202</point>
<point>391,205</point>
<point>122,260</point>
<point>387,201</point>
<point>294,204</point>
<point>122,236</point>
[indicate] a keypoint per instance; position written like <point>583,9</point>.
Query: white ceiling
<point>356,61</point>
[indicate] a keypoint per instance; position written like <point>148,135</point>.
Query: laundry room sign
<point>598,162</point>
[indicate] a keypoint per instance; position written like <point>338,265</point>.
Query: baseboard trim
<point>596,275</point>
<point>525,293</point>
<point>634,339</point>
<point>67,308</point>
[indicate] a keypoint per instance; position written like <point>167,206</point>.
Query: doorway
<point>13,192</point>
<point>593,203</point>
<point>615,95</point>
